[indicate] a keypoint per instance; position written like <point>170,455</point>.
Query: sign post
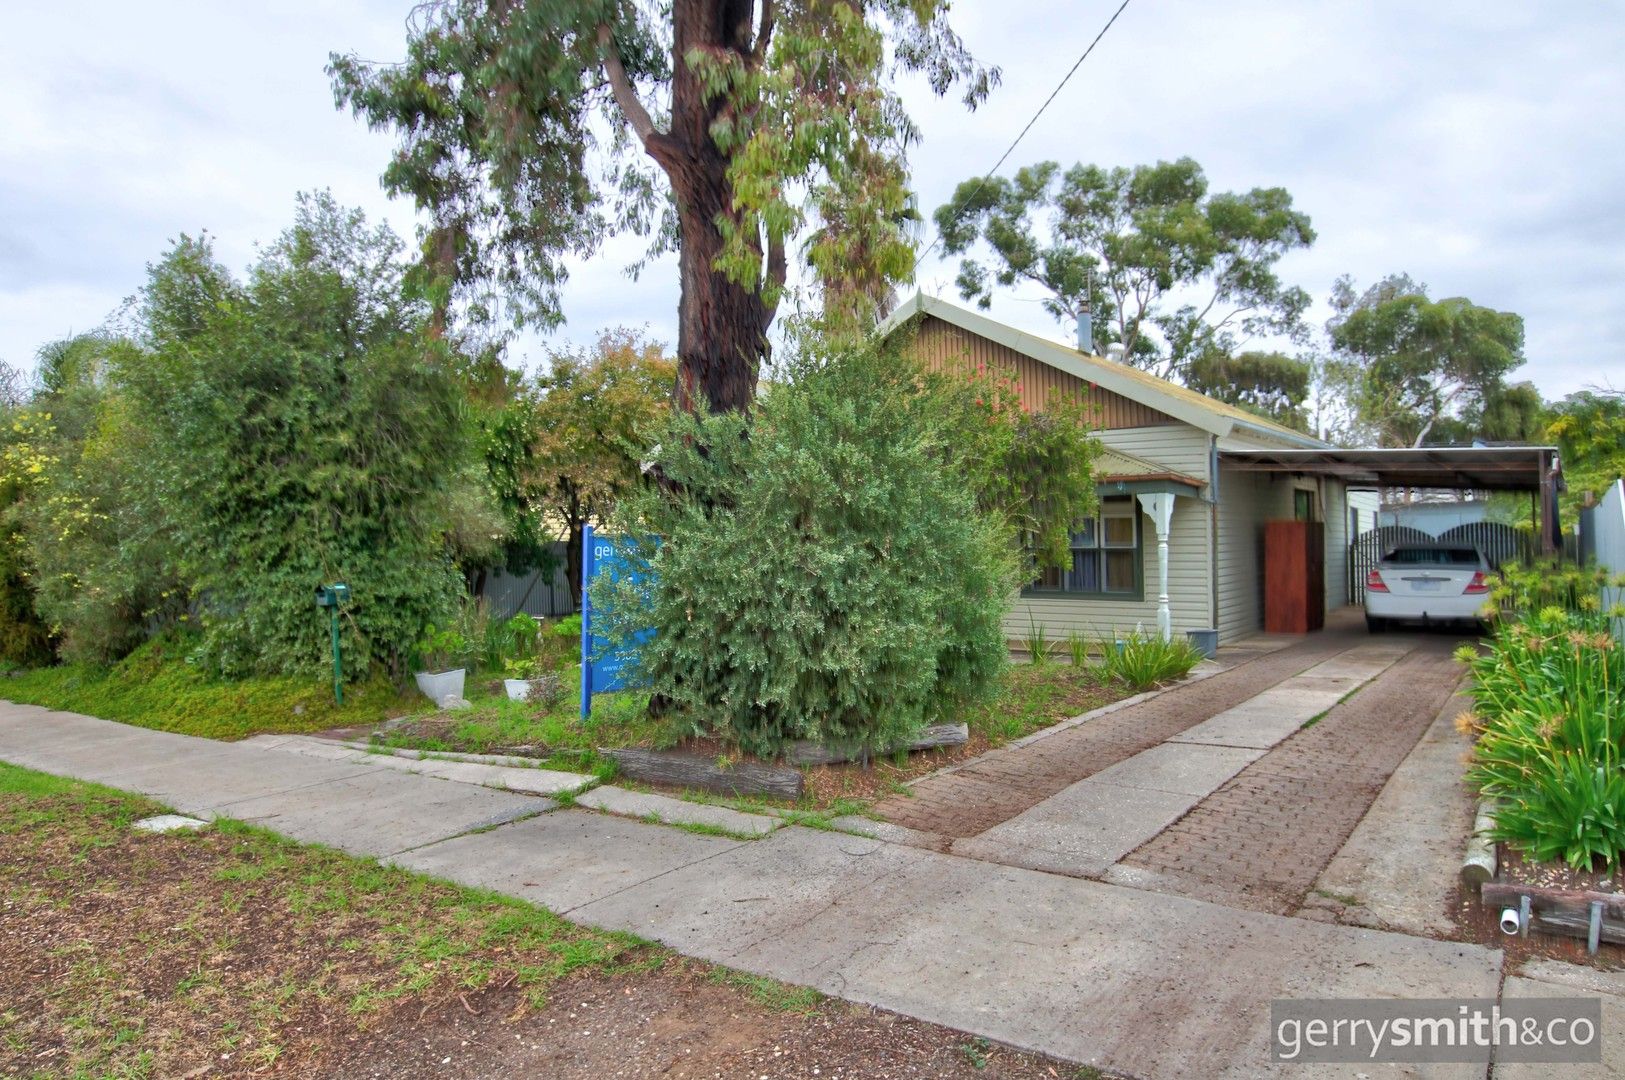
<point>330,597</point>
<point>587,539</point>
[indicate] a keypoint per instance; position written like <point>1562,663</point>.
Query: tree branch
<point>777,273</point>
<point>764,32</point>
<point>626,96</point>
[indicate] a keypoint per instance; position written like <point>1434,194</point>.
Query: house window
<point>1105,555</point>
<point>1303,505</point>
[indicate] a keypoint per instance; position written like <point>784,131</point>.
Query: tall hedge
<point>822,571</point>
<point>311,433</point>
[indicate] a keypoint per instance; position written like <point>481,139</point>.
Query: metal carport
<point>1535,469</point>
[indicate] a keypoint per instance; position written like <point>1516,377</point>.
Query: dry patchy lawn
<point>232,952</point>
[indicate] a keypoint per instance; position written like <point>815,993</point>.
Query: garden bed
<point>1033,697</point>
<point>1480,922</point>
<point>1549,727</point>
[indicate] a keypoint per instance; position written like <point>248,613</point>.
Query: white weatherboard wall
<point>1183,449</point>
<point>1366,503</point>
<point>1090,616</point>
<point>1246,501</point>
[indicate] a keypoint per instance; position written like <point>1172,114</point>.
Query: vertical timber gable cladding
<point>941,346</point>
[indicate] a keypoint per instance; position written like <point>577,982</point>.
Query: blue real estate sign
<point>603,667</point>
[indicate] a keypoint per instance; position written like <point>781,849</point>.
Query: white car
<point>1428,583</point>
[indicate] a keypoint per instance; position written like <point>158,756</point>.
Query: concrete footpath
<point>1135,982</point>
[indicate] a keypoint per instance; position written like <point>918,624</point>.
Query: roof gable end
<point>1198,410</point>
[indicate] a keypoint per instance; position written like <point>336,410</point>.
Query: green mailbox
<point>332,597</point>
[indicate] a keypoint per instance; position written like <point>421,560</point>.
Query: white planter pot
<point>518,689</point>
<point>439,685</point>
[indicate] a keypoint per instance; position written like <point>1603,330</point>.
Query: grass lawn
<point>233,952</point>
<point>155,687</point>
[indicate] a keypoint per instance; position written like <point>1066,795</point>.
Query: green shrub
<point>561,643</point>
<point>94,541</point>
<point>442,648</point>
<point>489,643</point>
<point>1549,710</point>
<point>25,640</point>
<point>543,650</point>
<point>1145,660</point>
<point>823,572</point>
<point>309,431</point>
<point>518,641</point>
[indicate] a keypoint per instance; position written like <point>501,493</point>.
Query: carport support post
<point>1160,508</point>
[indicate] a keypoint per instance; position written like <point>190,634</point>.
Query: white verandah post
<point>1160,508</point>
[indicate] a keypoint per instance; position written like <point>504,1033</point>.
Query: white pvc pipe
<point>1511,921</point>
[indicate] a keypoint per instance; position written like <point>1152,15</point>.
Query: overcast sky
<point>1476,146</point>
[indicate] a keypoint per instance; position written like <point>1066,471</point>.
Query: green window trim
<point>1136,594</point>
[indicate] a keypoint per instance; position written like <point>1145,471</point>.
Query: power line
<point>980,184</point>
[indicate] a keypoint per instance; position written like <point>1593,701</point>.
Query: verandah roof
<point>1118,473</point>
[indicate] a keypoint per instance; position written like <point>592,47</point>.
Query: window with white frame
<point>1105,555</point>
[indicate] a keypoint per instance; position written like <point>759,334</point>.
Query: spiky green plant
<point>1525,587</point>
<point>1078,647</point>
<point>1036,641</point>
<point>1549,711</point>
<point>1145,660</point>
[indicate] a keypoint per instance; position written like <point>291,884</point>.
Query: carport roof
<point>1476,468</point>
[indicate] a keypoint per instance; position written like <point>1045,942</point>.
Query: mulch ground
<point>680,1024</point>
<point>1006,782</point>
<point>232,953</point>
<point>1262,839</point>
<point>1482,924</point>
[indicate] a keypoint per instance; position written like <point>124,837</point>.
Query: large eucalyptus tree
<point>530,130</point>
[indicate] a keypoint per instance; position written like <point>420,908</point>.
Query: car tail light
<point>1374,582</point>
<point>1477,585</point>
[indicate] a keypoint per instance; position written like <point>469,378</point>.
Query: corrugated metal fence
<point>1499,543</point>
<point>1608,542</point>
<point>508,594</point>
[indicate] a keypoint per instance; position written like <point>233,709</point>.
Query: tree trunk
<point>722,326</point>
<point>572,559</point>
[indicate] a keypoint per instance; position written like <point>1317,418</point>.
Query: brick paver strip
<point>1262,839</point>
<point>1002,783</point>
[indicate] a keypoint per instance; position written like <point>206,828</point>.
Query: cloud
<point>1473,145</point>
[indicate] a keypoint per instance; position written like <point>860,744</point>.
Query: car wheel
<point>1375,625</point>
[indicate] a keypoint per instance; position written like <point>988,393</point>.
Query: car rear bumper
<point>1463,607</point>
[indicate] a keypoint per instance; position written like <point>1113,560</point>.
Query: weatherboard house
<point>1201,502</point>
